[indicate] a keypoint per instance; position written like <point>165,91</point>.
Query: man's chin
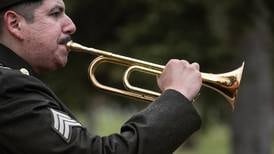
<point>54,67</point>
<point>61,61</point>
<point>60,65</point>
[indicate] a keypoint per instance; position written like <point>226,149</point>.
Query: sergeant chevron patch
<point>63,124</point>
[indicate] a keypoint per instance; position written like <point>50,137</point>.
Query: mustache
<point>65,40</point>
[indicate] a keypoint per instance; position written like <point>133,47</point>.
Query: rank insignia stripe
<point>63,124</point>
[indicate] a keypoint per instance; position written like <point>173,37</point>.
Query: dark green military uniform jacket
<point>34,121</point>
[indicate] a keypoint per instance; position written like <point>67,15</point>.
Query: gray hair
<point>25,9</point>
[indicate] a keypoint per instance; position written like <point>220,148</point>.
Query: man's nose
<point>69,26</point>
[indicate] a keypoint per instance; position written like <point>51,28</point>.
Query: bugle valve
<point>226,84</point>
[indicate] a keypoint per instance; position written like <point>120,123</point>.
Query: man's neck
<point>10,59</point>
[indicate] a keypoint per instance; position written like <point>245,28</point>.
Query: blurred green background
<point>219,35</point>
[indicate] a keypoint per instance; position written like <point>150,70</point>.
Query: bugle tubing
<point>227,84</point>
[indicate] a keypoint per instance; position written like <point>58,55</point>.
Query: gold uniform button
<point>24,71</point>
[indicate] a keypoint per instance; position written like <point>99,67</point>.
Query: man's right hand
<point>181,76</point>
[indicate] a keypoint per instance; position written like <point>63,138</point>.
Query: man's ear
<point>13,22</point>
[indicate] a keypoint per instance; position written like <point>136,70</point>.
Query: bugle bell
<point>226,84</point>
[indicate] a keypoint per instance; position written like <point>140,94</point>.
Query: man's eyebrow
<point>57,7</point>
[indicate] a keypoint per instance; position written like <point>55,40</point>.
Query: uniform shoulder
<point>7,73</point>
<point>17,83</point>
<point>16,79</point>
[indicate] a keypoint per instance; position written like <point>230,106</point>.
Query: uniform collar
<point>8,58</point>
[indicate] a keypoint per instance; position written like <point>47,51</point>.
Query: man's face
<point>45,37</point>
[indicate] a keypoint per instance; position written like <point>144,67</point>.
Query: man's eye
<point>56,14</point>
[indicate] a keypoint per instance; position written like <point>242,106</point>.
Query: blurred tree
<point>252,121</point>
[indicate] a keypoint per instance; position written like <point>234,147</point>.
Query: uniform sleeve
<point>33,121</point>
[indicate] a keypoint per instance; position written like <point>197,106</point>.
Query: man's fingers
<point>196,66</point>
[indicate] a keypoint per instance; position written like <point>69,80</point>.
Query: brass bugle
<point>226,84</point>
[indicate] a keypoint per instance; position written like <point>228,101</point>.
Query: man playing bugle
<point>33,37</point>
